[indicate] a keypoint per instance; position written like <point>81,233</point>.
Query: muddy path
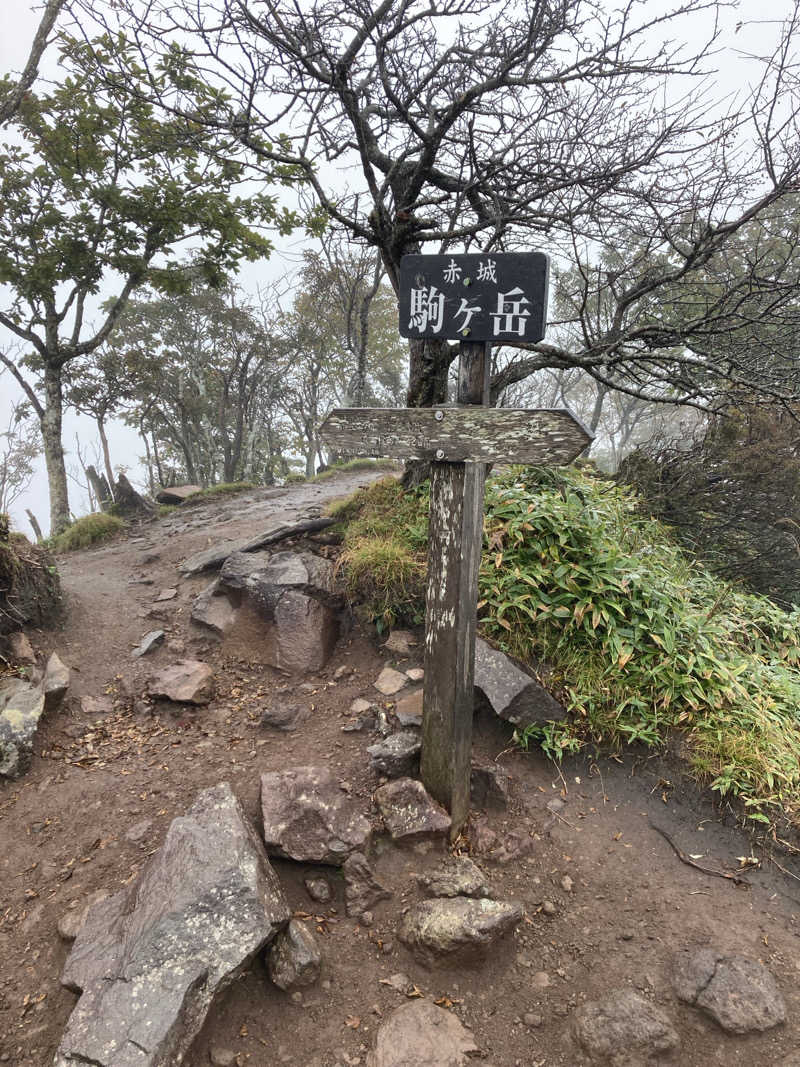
<point>607,898</point>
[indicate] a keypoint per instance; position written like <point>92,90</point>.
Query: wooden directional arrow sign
<point>477,434</point>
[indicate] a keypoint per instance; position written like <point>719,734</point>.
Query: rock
<point>549,908</point>
<point>409,814</point>
<point>214,557</point>
<point>401,642</point>
<point>293,959</point>
<point>457,877</point>
<point>302,571</point>
<point>513,694</point>
<point>567,884</point>
<point>360,706</point>
<point>283,715</point>
<point>213,610</point>
<point>150,641</point>
<point>532,1020</point>
<point>415,674</point>
<point>319,889</point>
<point>489,786</point>
<point>211,558</point>
<point>239,566</point>
<point>187,682</point>
<point>396,756</point>
<point>362,889</point>
<point>166,594</point>
<point>71,922</point>
<point>138,831</point>
<point>308,818</point>
<point>21,650</point>
<point>150,960</point>
<point>306,632</point>
<point>390,681</point>
<point>482,837</point>
<point>738,993</point>
<point>221,1057</point>
<point>444,927</point>
<point>408,710</point>
<point>622,1026</point>
<point>418,1034</point>
<point>342,672</point>
<point>176,494</point>
<point>96,707</point>
<point>55,683</point>
<point>21,707</point>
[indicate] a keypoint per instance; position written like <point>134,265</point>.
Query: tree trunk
<point>53,449</point>
<point>429,363</point>
<point>100,488</point>
<point>34,524</point>
<point>101,427</point>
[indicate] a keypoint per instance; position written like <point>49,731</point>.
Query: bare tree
<point>20,446</point>
<point>577,125</point>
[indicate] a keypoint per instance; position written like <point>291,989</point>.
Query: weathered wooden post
<point>459,442</point>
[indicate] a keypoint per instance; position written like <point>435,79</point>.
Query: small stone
<point>624,1027</point>
<point>422,1034</point>
<point>530,1018</point>
<point>319,889</point>
<point>360,706</point>
<point>186,682</point>
<point>457,877</point>
<point>396,756</point>
<point>297,997</point>
<point>390,681</point>
<point>166,594</point>
<point>549,908</point>
<point>362,890</point>
<point>342,672</point>
<point>222,1057</point>
<point>366,918</point>
<point>150,641</point>
<point>293,959</point>
<point>437,928</point>
<point>400,642</point>
<point>55,683</point>
<point>408,710</point>
<point>567,883</point>
<point>409,813</point>
<point>415,674</point>
<point>540,980</point>
<point>283,715</point>
<point>138,831</point>
<point>489,786</point>
<point>387,948</point>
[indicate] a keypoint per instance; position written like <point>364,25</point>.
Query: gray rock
<point>319,889</point>
<point>418,1034</point>
<point>213,610</point>
<point>21,708</point>
<point>21,649</point>
<point>390,681</point>
<point>239,566</point>
<point>221,1057</point>
<point>489,786</point>
<point>738,993</point>
<point>187,682</point>
<point>401,642</point>
<point>150,960</point>
<point>624,1029</point>
<point>302,571</point>
<point>283,715</point>
<point>306,633</point>
<point>213,558</point>
<point>362,889</point>
<point>396,756</point>
<point>437,928</point>
<point>55,683</point>
<point>409,813</point>
<point>71,922</point>
<point>293,959</point>
<point>359,706</point>
<point>458,876</point>
<point>408,709</point>
<point>150,641</point>
<point>176,494</point>
<point>415,674</point>
<point>308,818</point>
<point>513,694</point>
<point>166,594</point>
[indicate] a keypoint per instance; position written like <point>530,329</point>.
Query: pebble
<point>342,672</point>
<point>297,997</point>
<point>366,918</point>
<point>415,674</point>
<point>359,706</point>
<point>319,889</point>
<point>567,883</point>
<point>541,979</point>
<point>222,1057</point>
<point>387,948</point>
<point>548,907</point>
<point>530,1018</point>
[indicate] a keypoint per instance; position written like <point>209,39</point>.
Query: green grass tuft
<point>86,531</point>
<point>358,464</point>
<point>643,643</point>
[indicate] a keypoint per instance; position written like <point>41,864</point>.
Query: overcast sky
<point>19,25</point>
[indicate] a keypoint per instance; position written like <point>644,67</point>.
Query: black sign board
<point>486,297</point>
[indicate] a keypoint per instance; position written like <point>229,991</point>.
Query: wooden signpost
<point>478,300</point>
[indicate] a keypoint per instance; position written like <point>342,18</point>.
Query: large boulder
<point>306,632</point>
<point>445,927</point>
<point>738,993</point>
<point>308,818</point>
<point>513,694</point>
<point>176,494</point>
<point>418,1034</point>
<point>149,961</point>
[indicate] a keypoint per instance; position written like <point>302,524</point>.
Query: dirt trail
<point>106,781</point>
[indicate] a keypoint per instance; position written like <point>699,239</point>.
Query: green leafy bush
<point>643,642</point>
<point>87,531</point>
